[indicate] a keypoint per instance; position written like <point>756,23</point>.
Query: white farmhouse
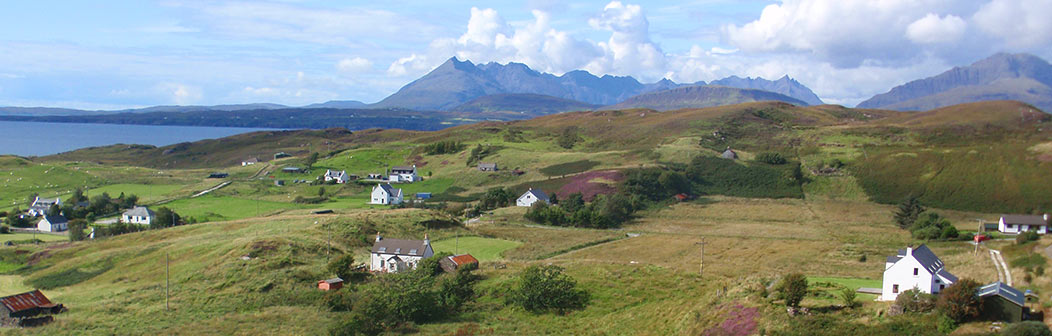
<point>1013,224</point>
<point>531,196</point>
<point>250,161</point>
<point>138,215</point>
<point>340,177</point>
<point>41,205</point>
<point>403,174</point>
<point>396,255</point>
<point>53,224</point>
<point>386,194</point>
<point>914,268</point>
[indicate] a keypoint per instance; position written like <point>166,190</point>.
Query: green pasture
<point>483,249</point>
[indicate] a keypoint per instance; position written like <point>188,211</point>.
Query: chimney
<point>427,241</point>
<point>909,250</point>
<point>1045,216</point>
<point>378,238</point>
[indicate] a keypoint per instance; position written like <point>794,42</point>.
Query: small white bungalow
<point>403,174</point>
<point>53,224</point>
<point>340,177</point>
<point>914,268</point>
<point>250,161</point>
<point>138,215</point>
<point>386,194</point>
<point>396,255</point>
<point>1013,224</point>
<point>531,196</point>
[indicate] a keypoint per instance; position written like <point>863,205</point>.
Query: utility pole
<point>456,248</point>
<point>702,243</point>
<point>166,282</point>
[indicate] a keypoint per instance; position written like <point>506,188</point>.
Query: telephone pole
<point>702,244</point>
<point>166,282</point>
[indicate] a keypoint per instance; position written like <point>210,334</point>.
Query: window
<point>914,271</point>
<point>413,251</point>
<point>398,250</point>
<point>937,281</point>
<point>382,266</point>
<point>382,249</point>
<point>895,289</point>
<point>941,287</point>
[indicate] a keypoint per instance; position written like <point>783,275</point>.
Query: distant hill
<point>785,86</point>
<point>51,111</point>
<point>338,104</point>
<point>455,82</point>
<point>525,103</point>
<point>699,97</point>
<point>1021,77</point>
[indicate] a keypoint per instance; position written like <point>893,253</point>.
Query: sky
<point>137,53</point>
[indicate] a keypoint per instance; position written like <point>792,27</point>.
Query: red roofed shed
<point>452,263</point>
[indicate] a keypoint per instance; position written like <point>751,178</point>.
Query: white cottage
<point>138,215</point>
<point>1013,224</point>
<point>53,224</point>
<point>396,255</point>
<point>340,177</point>
<point>914,268</point>
<point>403,174</point>
<point>531,196</point>
<point>40,206</point>
<point>386,194</point>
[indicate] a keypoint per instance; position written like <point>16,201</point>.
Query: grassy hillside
<point>523,103</point>
<point>699,97</point>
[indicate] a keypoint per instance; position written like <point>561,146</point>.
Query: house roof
<point>536,193</point>
<point>729,154</point>
<point>332,281</point>
<point>400,247</point>
<point>1002,290</point>
<point>1024,219</point>
<point>252,160</point>
<point>46,202</point>
<point>487,165</point>
<point>336,173</point>
<point>27,300</point>
<point>946,275</point>
<point>55,219</point>
<point>139,211</point>
<point>463,259</point>
<point>927,259</point>
<point>291,168</point>
<point>389,189</point>
<point>894,259</point>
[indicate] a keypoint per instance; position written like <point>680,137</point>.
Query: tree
<point>31,199</point>
<point>543,288</point>
<point>674,182</point>
<point>959,301</point>
<point>495,198</point>
<point>430,266</point>
<point>54,210</point>
<point>164,217</point>
<point>792,289</point>
<point>311,160</point>
<point>573,203</point>
<point>321,192</point>
<point>76,229</point>
<point>908,212</point>
<point>616,208</point>
<point>553,199</point>
<point>568,137</point>
<point>1027,328</point>
<point>77,197</point>
<point>847,297</point>
<point>15,219</point>
<point>930,225</point>
<point>341,266</point>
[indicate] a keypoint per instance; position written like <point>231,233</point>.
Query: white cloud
<point>354,65</point>
<point>629,49</point>
<point>933,29</point>
<point>1017,24</point>
<point>180,94</point>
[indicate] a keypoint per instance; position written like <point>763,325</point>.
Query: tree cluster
<point>98,205</point>
<point>443,147</point>
<point>606,211</point>
<point>547,288</point>
<point>568,137</point>
<point>931,226</point>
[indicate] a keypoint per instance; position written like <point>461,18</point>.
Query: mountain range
<point>1022,77</point>
<point>700,96</point>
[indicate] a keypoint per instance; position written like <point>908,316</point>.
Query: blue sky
<point>120,54</point>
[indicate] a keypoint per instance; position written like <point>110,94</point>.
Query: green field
<point>20,178</point>
<point>147,192</point>
<point>27,236</point>
<point>214,208</point>
<point>483,249</point>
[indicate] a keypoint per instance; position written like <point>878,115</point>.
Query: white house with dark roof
<point>340,177</point>
<point>384,193</point>
<point>250,161</point>
<point>41,205</point>
<point>138,215</point>
<point>395,255</point>
<point>53,224</point>
<point>531,196</point>
<point>1013,224</point>
<point>403,174</point>
<point>914,268</point>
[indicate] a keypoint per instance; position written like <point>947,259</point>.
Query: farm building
<point>396,255</point>
<point>1022,223</point>
<point>404,174</point>
<point>531,196</point>
<point>279,183</point>
<point>280,155</point>
<point>41,205</point>
<point>53,224</point>
<point>914,268</point>
<point>1001,303</point>
<point>250,161</point>
<point>729,154</point>
<point>386,194</point>
<point>218,175</point>
<point>21,310</point>
<point>340,177</point>
<point>138,215</point>
<point>488,166</point>
<point>423,195</point>
<point>452,263</point>
<point>292,170</point>
<point>330,284</point>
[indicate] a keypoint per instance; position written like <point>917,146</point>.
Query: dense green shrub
<point>713,175</point>
<point>792,288</point>
<point>496,197</point>
<point>915,301</point>
<point>606,211</point>
<point>443,147</point>
<point>76,229</point>
<point>959,302</point>
<point>567,168</point>
<point>568,137</point>
<point>771,158</point>
<point>1026,237</point>
<point>341,266</point>
<point>546,288</point>
<point>1027,328</point>
<point>932,226</point>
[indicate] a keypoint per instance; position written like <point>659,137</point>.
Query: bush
<point>341,266</point>
<point>443,147</point>
<point>848,296</point>
<point>959,301</point>
<point>568,137</point>
<point>1027,237</point>
<point>771,158</point>
<point>544,288</point>
<point>5,229</point>
<point>76,229</point>
<point>932,226</point>
<point>792,289</point>
<point>1027,328</point>
<point>915,301</point>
